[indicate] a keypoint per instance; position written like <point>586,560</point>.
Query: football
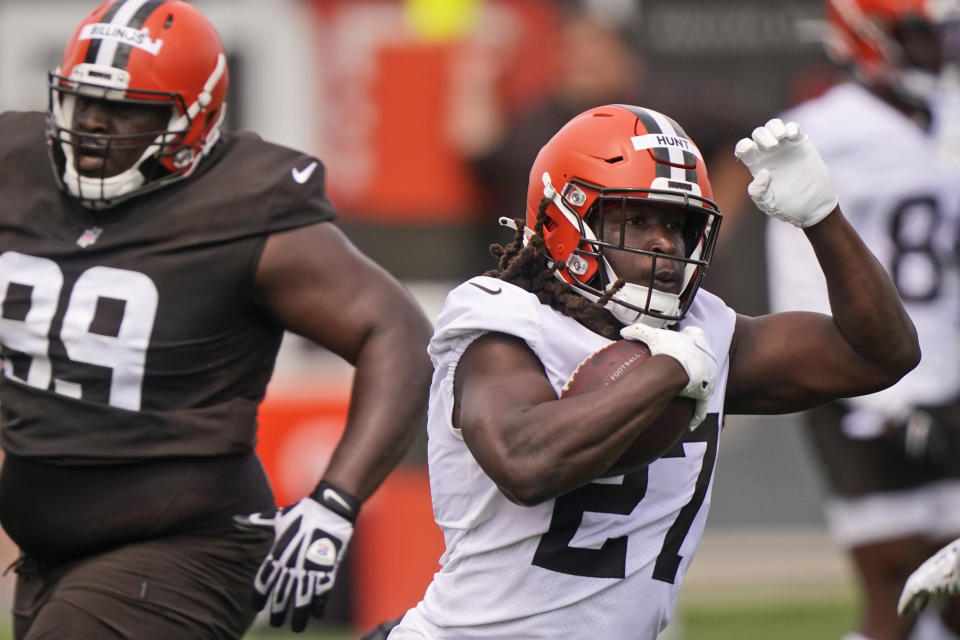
<point>607,366</point>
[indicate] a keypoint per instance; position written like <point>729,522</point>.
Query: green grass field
<point>808,619</point>
<point>783,620</point>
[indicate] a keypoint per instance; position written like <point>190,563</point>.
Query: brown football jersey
<point>130,333</point>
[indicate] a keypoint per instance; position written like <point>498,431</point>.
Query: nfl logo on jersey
<point>88,237</point>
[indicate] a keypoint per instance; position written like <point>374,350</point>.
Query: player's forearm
<point>865,304</point>
<point>541,452</point>
<point>387,407</point>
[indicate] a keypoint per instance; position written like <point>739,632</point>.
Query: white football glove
<point>690,348</point>
<point>310,539</point>
<point>790,180</point>
<point>936,578</point>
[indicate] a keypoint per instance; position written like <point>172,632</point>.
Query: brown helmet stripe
<point>672,163</point>
<point>688,158</point>
<point>136,22</point>
<point>662,156</point>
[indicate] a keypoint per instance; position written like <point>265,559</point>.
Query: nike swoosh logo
<point>302,175</point>
<point>490,291</point>
<point>330,494</point>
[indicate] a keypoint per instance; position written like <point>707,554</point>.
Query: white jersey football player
<point>891,139</point>
<point>550,532</point>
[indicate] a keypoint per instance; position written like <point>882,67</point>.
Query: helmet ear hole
<point>211,116</point>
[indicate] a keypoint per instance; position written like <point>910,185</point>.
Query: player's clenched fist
<point>790,180</point>
<point>691,349</point>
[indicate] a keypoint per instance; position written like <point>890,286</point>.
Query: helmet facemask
<point>625,159</point>
<point>166,157</point>
<point>66,141</point>
<point>589,269</point>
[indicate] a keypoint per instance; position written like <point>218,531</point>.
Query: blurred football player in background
<point>145,284</point>
<point>552,527</point>
<point>891,138</point>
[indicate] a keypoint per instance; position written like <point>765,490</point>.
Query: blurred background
<point>427,115</point>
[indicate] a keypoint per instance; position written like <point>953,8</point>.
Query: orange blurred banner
<point>396,545</point>
<point>390,86</point>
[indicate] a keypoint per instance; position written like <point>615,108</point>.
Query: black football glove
<point>310,538</point>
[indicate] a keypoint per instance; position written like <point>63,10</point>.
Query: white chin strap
<point>97,192</point>
<point>660,301</point>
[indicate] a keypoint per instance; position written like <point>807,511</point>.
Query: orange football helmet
<point>605,157</point>
<point>139,52</point>
<point>900,44</point>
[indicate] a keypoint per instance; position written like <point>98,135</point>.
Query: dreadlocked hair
<point>530,267</point>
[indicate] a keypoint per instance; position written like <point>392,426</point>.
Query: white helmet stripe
<point>108,46</point>
<point>669,145</point>
<point>120,30</point>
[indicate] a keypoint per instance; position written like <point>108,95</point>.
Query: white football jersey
<point>603,561</point>
<point>901,193</point>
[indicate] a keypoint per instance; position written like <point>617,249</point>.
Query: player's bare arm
<point>534,445</point>
<point>318,285</point>
<point>791,361</point>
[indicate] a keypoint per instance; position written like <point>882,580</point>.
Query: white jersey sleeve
<point>605,560</point>
<point>904,200</point>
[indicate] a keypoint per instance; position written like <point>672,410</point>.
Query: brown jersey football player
<point>145,284</point>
